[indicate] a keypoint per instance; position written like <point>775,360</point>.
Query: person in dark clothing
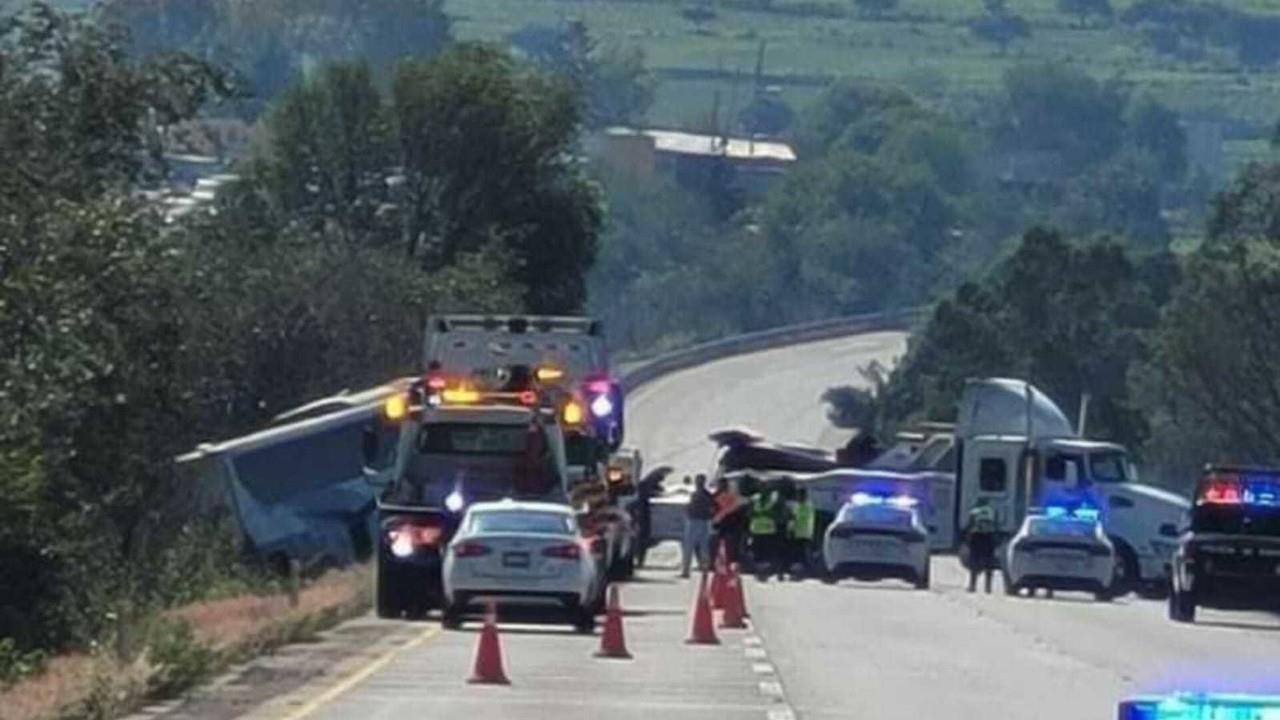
<point>729,522</point>
<point>697,528</point>
<point>981,532</point>
<point>642,514</point>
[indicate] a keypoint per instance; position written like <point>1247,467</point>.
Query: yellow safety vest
<point>762,522</point>
<point>802,520</point>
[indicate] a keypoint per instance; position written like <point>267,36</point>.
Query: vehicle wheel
<point>387,600</point>
<point>1125,577</point>
<point>451,617</point>
<point>922,580</point>
<point>584,621</point>
<point>1182,607</point>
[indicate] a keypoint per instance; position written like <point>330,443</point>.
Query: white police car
<point>522,554</point>
<point>875,537</point>
<point>1061,549</point>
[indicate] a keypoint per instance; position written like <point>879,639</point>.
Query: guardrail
<point>652,369</point>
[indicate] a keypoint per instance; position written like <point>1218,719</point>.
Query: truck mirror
<point>1169,530</point>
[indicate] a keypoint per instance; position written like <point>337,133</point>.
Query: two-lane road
<point>876,651</point>
<point>886,651</point>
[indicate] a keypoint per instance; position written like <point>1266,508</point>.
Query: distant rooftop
<point>686,143</point>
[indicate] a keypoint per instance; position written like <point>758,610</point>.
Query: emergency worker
<point>765,528</point>
<point>800,529</point>
<point>981,532</point>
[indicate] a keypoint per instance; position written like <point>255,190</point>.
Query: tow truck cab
<point>455,447</point>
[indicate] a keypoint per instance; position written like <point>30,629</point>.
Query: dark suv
<point>1230,556</point>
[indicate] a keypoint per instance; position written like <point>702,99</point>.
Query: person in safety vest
<point>765,528</point>
<point>800,528</point>
<point>981,532</point>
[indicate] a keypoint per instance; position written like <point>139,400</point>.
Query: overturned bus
<point>297,489</point>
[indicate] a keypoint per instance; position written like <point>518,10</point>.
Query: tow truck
<point>461,439</point>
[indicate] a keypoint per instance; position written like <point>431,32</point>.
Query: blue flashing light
<point>1201,706</point>
<point>863,498</point>
<point>1084,513</point>
<point>899,501</point>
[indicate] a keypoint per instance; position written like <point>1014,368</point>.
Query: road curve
<point>886,651</point>
<point>776,392</point>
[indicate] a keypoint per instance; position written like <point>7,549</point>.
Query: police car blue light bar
<point>1201,706</point>
<point>866,498</point>
<point>1084,512</point>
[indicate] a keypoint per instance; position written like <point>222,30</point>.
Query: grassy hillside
<point>925,45</point>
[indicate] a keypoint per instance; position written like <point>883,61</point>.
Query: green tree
<point>1153,127</point>
<point>1084,9</point>
<point>1056,108</point>
<point>876,8</point>
<point>487,152</point>
<point>1000,28</point>
<point>1069,318</point>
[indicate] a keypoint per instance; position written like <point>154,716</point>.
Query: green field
<point>937,57</point>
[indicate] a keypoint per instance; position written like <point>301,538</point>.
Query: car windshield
<point>1109,467</point>
<point>521,521</point>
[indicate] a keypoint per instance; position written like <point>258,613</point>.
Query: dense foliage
<point>125,339</point>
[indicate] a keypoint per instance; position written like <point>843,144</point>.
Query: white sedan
<point>521,554</point>
<point>875,537</point>
<point>1060,550</point>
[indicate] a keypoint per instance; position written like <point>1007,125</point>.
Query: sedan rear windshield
<point>538,523</point>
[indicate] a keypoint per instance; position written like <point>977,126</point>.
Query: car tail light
<point>470,549</point>
<point>1221,489</point>
<point>414,534</point>
<point>564,552</point>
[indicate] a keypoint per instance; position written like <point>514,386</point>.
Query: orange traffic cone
<point>719,579</point>
<point>702,630</point>
<point>612,642</point>
<point>734,608</point>
<point>487,668</point>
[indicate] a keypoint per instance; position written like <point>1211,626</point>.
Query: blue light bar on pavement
<point>1201,706</point>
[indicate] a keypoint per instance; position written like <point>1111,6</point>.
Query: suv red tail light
<point>1221,489</point>
<point>414,534</point>
<point>470,549</point>
<point>564,552</point>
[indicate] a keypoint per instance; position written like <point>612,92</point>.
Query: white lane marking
<point>782,713</point>
<point>762,668</point>
<point>752,640</point>
<point>360,676</point>
<point>755,653</point>
<point>771,688</point>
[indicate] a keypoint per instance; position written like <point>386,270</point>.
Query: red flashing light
<point>599,386</point>
<point>416,535</point>
<point>528,397</point>
<point>436,382</point>
<point>563,552</point>
<point>1222,489</point>
<point>470,549</point>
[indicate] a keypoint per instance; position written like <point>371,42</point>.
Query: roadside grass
<point>925,44</point>
<point>167,653</point>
